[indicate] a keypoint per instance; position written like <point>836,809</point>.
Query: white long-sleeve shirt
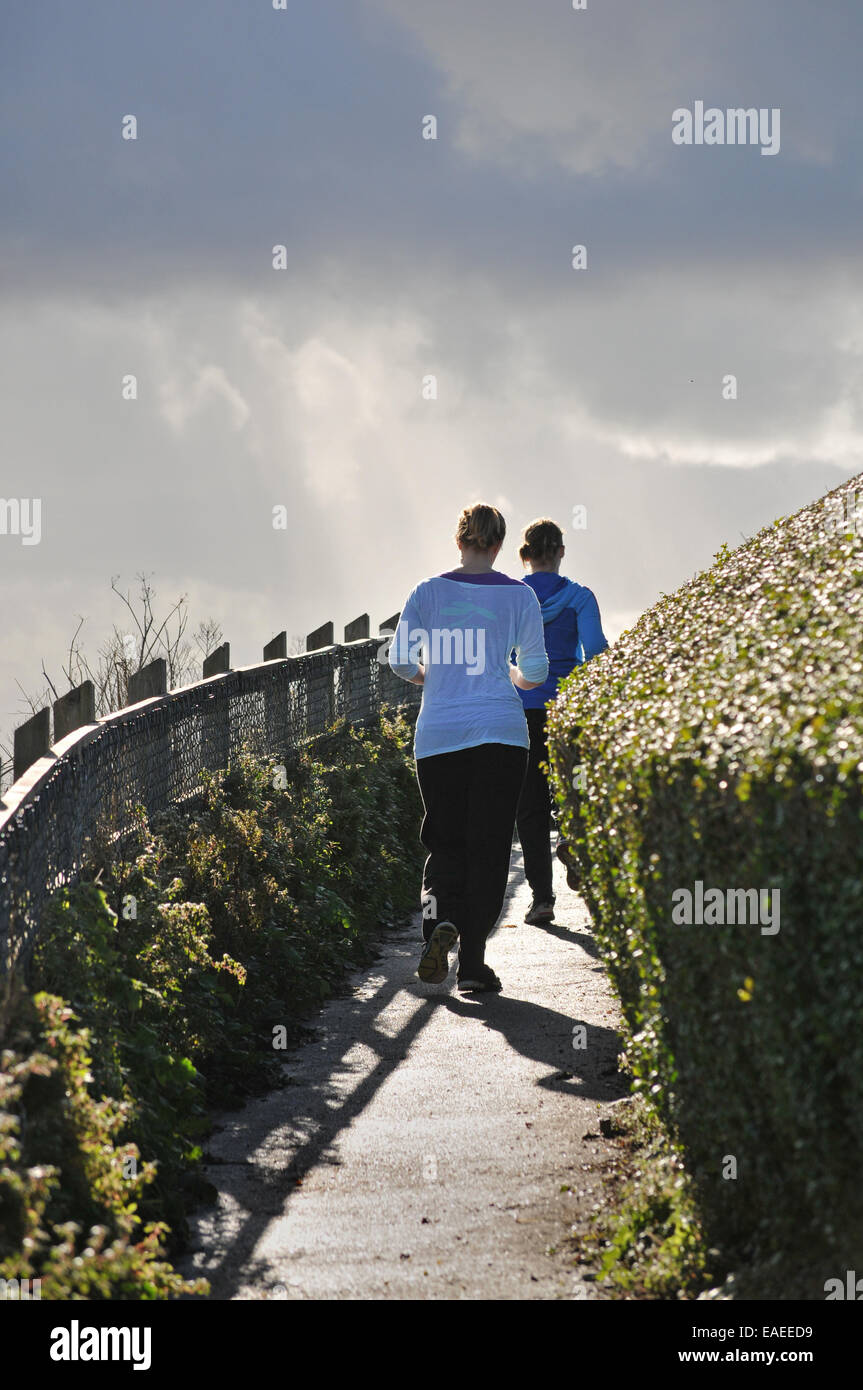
<point>462,629</point>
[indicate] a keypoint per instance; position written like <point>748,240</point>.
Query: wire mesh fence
<point>153,755</point>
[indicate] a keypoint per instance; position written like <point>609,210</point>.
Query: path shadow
<point>295,1129</point>
<point>312,1111</point>
<point>578,938</point>
<point>589,1069</point>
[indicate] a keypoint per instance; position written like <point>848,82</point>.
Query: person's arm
<point>518,679</point>
<point>403,652</point>
<point>532,660</point>
<point>591,638</point>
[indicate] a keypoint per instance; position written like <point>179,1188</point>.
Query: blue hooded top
<point>573,630</point>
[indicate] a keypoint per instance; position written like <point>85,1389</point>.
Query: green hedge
<point>721,741</point>
<point>155,990</point>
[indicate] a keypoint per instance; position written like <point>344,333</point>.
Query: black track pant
<point>534,812</point>
<point>470,798</point>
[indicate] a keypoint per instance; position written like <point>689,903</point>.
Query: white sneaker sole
<point>434,965</point>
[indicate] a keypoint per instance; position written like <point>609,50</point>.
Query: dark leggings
<point>470,798</point>
<point>534,813</point>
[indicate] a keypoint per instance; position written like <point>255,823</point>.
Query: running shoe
<point>539,912</point>
<point>481,981</point>
<point>434,961</point>
<point>573,879</point>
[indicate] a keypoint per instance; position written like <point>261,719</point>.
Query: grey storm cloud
<point>406,259</point>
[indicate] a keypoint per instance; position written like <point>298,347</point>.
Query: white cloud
<point>556,388</point>
<point>182,399</point>
<point>546,400</point>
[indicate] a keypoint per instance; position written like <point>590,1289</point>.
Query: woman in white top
<point>454,638</point>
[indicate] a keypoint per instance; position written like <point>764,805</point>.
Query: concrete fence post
<point>75,708</point>
<point>358,629</point>
<point>218,663</point>
<point>31,741</point>
<point>388,683</point>
<point>348,683</point>
<point>149,681</point>
<point>278,711</point>
<point>321,637</point>
<point>321,693</point>
<point>277,650</point>
<point>216,742</point>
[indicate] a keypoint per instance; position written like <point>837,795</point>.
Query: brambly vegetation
<point>718,746</point>
<point>158,987</point>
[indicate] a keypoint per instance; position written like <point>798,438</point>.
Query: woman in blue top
<point>573,634</point>
<point>454,638</point>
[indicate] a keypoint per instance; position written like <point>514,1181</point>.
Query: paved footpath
<point>421,1144</point>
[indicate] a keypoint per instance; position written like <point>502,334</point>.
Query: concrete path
<point>421,1144</point>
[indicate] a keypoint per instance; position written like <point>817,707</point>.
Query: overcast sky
<point>406,258</point>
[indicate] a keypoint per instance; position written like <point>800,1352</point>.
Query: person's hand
<point>519,681</point>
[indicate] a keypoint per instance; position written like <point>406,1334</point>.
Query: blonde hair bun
<point>481,526</point>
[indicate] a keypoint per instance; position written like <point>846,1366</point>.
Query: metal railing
<point>152,755</point>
